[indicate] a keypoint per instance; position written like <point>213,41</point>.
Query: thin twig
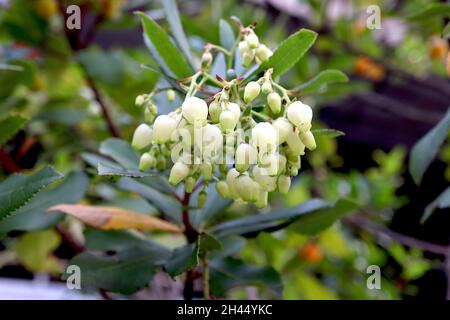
<point>383,232</point>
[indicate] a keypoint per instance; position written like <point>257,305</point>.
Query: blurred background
<point>77,88</point>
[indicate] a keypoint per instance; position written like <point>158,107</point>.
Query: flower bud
<point>284,128</point>
<point>284,183</point>
<point>214,111</point>
<point>202,197</point>
<point>170,95</point>
<point>140,100</point>
<point>147,161</point>
<point>194,109</point>
<point>189,184</point>
<point>246,188</point>
<point>269,162</point>
<point>234,107</point>
<point>265,137</point>
<point>206,59</point>
<point>300,115</point>
<point>231,74</point>
<point>247,58</point>
<point>293,171</point>
<point>148,115</point>
<point>243,48</point>
<point>227,120</point>
<point>178,173</point>
<point>231,181</point>
<point>296,146</point>
<point>163,128</point>
<point>222,189</point>
<point>245,156</point>
<point>263,53</point>
<point>296,163</point>
<point>251,91</point>
<point>308,140</point>
<point>252,40</point>
<point>262,199</point>
<point>206,169</point>
<point>161,163</point>
<point>153,108</point>
<point>274,102</point>
<point>267,182</point>
<point>266,87</point>
<point>142,136</point>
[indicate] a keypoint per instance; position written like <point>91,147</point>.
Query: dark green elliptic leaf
<point>173,18</point>
<point>165,204</point>
<point>35,216</point>
<point>314,214</point>
<point>121,151</point>
<point>426,149</point>
<point>126,272</point>
<point>166,50</point>
<point>322,219</point>
<point>120,240</point>
<point>183,259</point>
<point>288,53</point>
<point>323,78</point>
<point>10,126</point>
<point>18,189</point>
<point>230,273</point>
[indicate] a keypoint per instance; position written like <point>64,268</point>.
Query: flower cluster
<point>250,49</point>
<point>248,138</point>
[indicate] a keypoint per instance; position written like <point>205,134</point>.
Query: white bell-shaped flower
<point>265,137</point>
<point>142,136</point>
<point>300,115</point>
<point>163,128</point>
<point>251,91</point>
<point>194,109</point>
<point>246,155</point>
<point>178,173</point>
<point>283,127</point>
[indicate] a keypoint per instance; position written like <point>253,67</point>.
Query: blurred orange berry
<point>46,8</point>
<point>311,252</point>
<point>369,69</point>
<point>438,48</point>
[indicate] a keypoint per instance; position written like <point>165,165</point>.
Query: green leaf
<point>10,67</point>
<point>230,273</point>
<point>18,189</point>
<point>165,48</point>
<point>226,34</point>
<point>104,67</point>
<point>446,31</point>
<point>323,78</point>
<point>121,151</point>
<point>259,222</point>
<point>120,240</point>
<point>10,126</point>
<point>183,259</point>
<point>35,216</point>
<point>106,169</point>
<point>442,201</point>
<point>208,243</point>
<point>426,149</point>
<point>328,133</point>
<point>288,53</point>
<point>433,11</point>
<point>173,18</point>
<point>320,220</point>
<point>166,205</point>
<point>35,249</point>
<point>125,272</point>
<point>312,213</point>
